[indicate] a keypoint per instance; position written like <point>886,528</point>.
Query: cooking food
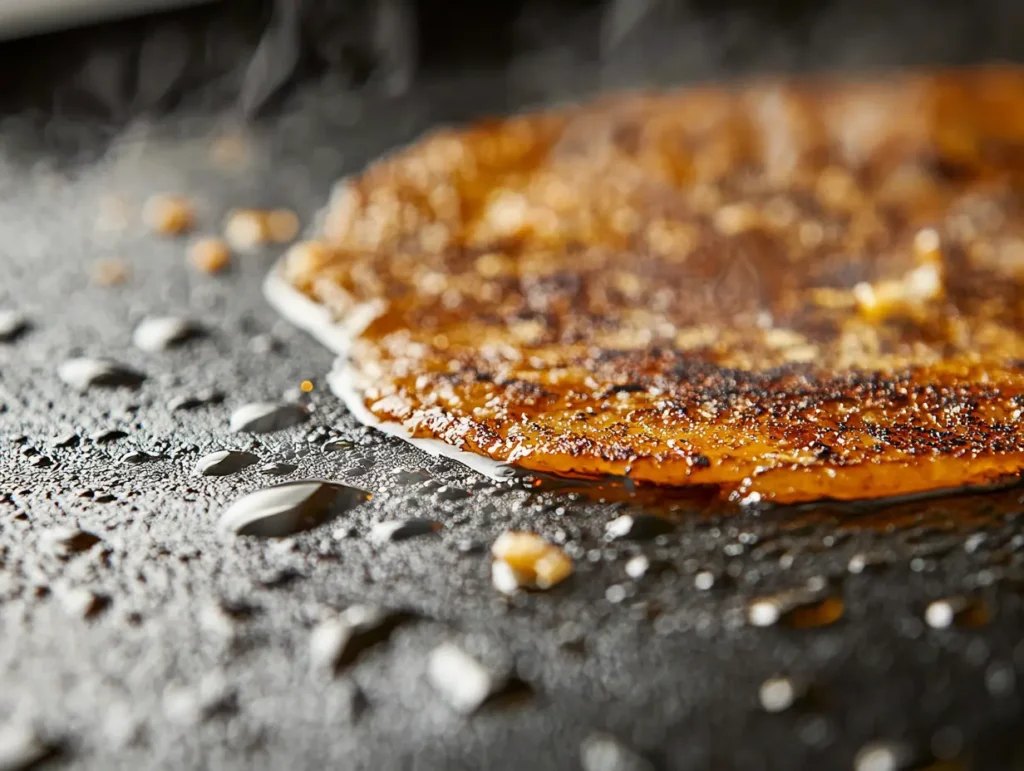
<point>787,290</point>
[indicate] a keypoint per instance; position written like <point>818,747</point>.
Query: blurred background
<point>250,54</point>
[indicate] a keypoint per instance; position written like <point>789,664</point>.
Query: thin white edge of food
<point>315,319</point>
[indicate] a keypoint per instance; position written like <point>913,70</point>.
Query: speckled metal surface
<point>194,649</point>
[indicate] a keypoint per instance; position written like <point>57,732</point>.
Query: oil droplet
<point>289,508</point>
<point>306,386</point>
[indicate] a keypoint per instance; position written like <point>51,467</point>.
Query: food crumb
<point>282,225</point>
<point>527,561</point>
<point>209,255</point>
<point>246,229</point>
<point>169,215</point>
<point>109,271</point>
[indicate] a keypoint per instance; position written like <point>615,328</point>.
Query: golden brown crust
<point>790,290</point>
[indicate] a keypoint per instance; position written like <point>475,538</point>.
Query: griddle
<point>192,651</point>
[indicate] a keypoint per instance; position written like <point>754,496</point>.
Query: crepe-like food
<point>789,290</point>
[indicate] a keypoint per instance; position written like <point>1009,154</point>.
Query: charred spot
<point>698,460</point>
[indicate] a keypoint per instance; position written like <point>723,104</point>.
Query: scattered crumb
<point>282,225</point>
<point>908,295</point>
<point>169,215</point>
<point>527,561</point>
<point>209,255</point>
<point>109,271</point>
<point>246,229</point>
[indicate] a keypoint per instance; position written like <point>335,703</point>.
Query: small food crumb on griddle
<point>246,229</point>
<point>209,255</point>
<point>169,215</point>
<point>282,225</point>
<point>109,271</point>
<point>249,229</point>
<point>527,561</point>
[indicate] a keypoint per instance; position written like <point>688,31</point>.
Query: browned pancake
<point>790,290</point>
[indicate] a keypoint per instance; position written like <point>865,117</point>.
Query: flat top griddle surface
<point>196,650</point>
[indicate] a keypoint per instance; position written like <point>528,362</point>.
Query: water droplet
<point>264,417</point>
<point>337,445</point>
<point>289,508</point>
<point>615,593</point>
<point>224,462</point>
<point>12,325</point>
<point>158,333</point>
<point>190,705</point>
<point>337,642</point>
<point>1000,679</point>
<point>278,469</point>
<point>85,373</point>
<point>403,529</point>
<point>863,561</point>
<point>799,608</point>
<point>411,476</point>
<point>110,435</point>
<point>704,580</point>
<point>637,567</point>
<point>263,344</point>
<point>603,752</point>
<point>185,403</point>
<point>22,748</point>
<point>138,457</point>
<point>463,681</point>
<point>67,440</point>
<point>959,610</point>
<point>638,527</point>
<point>64,542</point>
<point>778,694</point>
<point>883,756</point>
<point>83,603</point>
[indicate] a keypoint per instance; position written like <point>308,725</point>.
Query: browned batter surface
<point>790,290</point>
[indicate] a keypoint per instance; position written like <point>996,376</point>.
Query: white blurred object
<point>27,17</point>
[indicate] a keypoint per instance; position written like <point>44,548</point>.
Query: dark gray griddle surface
<point>194,620</point>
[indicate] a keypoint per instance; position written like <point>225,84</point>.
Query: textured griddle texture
<point>788,291</point>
